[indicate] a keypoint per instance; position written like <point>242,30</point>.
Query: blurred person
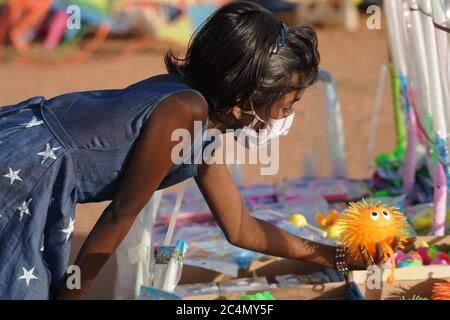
<point>22,17</point>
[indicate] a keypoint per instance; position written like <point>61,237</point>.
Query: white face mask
<point>251,139</point>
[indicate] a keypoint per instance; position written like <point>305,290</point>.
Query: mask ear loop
<point>253,112</point>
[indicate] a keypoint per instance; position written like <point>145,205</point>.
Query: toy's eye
<point>374,216</point>
<point>386,216</point>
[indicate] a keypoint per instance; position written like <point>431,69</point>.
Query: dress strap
<point>55,126</point>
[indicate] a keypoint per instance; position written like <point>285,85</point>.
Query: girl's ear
<point>236,112</point>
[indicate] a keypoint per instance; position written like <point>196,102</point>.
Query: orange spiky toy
<point>363,225</point>
<point>441,291</point>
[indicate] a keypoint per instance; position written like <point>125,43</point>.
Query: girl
<point>243,69</point>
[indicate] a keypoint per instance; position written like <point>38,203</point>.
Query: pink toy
<point>56,30</point>
<point>400,256</point>
<point>440,201</point>
<point>441,258</point>
<point>426,255</point>
<point>423,252</point>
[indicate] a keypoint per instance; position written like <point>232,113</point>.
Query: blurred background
<point>118,42</point>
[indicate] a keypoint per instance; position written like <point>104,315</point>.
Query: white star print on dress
<point>42,246</point>
<point>68,231</point>
<point>34,122</point>
<point>23,208</point>
<point>13,175</point>
<point>27,275</point>
<point>48,153</point>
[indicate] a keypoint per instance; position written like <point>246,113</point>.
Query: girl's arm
<point>150,162</point>
<point>242,230</point>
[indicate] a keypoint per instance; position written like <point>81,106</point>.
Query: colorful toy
<point>424,221</point>
<point>441,291</point>
<point>441,258</point>
<point>363,225</point>
<point>423,251</point>
<point>327,220</point>
<point>259,296</point>
<point>425,255</point>
<point>334,231</point>
<point>298,220</point>
<point>440,201</point>
<point>414,297</point>
<point>432,255</point>
<point>400,256</point>
<point>409,263</point>
<point>408,259</point>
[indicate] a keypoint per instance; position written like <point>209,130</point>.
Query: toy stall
<point>176,250</point>
<point>183,254</point>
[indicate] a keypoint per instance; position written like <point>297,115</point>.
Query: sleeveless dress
<point>58,152</point>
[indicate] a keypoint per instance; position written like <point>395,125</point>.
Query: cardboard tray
<point>409,280</point>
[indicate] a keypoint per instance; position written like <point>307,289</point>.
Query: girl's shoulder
<point>178,96</point>
<point>188,104</point>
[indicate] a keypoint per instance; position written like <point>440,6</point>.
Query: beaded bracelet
<point>340,261</point>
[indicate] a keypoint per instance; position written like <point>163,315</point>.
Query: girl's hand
<point>367,261</point>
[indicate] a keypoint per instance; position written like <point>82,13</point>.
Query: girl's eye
<point>287,110</point>
<point>374,216</point>
<point>386,216</point>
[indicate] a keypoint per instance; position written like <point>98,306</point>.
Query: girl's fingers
<point>379,254</point>
<point>395,244</point>
<point>364,257</point>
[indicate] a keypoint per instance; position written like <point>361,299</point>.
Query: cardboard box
<point>409,280</point>
<point>269,268</point>
<point>326,291</point>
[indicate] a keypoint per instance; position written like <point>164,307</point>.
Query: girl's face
<point>282,108</point>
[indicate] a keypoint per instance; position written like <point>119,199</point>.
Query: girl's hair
<point>229,59</point>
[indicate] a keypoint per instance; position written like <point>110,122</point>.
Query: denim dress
<point>55,153</point>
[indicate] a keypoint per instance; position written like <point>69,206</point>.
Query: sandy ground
<point>354,60</point>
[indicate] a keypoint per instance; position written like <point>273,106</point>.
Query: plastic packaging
<point>175,266</point>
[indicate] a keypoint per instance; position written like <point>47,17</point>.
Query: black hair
<point>229,59</point>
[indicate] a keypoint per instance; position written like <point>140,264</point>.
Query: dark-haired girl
<point>244,68</point>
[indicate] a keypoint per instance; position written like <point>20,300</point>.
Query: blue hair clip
<point>281,38</point>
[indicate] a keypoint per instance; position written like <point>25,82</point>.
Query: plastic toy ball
<point>298,220</point>
<point>363,225</point>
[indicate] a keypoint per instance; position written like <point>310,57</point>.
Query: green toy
<point>414,297</point>
<point>259,296</point>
